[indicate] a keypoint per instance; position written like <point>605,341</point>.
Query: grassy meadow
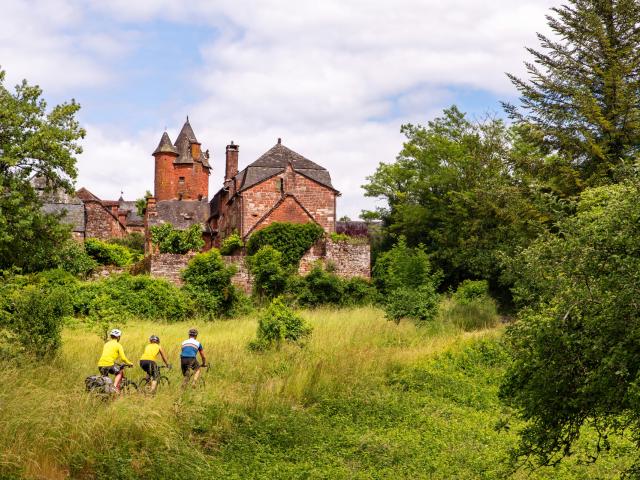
<point>365,398</point>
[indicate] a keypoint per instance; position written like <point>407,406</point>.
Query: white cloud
<point>334,78</point>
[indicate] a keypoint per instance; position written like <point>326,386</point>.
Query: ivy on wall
<point>290,239</point>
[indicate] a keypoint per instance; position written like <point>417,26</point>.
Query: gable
<point>287,210</point>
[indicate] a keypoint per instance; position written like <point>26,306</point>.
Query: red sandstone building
<point>280,186</point>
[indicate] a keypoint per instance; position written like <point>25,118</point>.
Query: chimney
<point>231,168</point>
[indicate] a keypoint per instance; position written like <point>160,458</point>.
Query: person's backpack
<point>99,384</point>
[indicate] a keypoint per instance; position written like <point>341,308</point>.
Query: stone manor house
<point>280,186</point>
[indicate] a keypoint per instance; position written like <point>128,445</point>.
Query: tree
<point>141,203</point>
<point>576,347</point>
<point>33,142</point>
<point>582,98</point>
<point>457,187</point>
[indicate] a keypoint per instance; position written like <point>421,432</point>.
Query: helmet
<point>154,338</point>
<point>115,333</point>
<point>193,331</point>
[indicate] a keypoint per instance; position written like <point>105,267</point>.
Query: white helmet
<point>115,333</point>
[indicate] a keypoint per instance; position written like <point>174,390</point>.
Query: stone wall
<point>242,278</point>
<point>169,266</point>
<point>349,260</point>
<point>101,223</point>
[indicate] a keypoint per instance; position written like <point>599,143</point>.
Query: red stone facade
<point>280,192</point>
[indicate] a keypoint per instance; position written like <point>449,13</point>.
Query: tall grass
<point>365,398</point>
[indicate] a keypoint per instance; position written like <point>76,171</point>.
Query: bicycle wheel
<point>144,384</point>
<point>164,381</point>
<point>129,387</point>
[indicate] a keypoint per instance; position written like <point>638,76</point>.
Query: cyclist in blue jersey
<point>189,357</point>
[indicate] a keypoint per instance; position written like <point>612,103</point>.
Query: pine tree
<point>582,98</point>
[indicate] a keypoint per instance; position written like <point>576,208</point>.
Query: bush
<point>278,324</point>
<point>231,244</point>
<point>141,296</point>
<point>292,240</point>
<point>320,287</point>
<point>134,242</point>
<point>34,315</point>
<point>73,258</point>
<point>402,267</point>
<point>475,314</point>
<point>107,253</point>
<point>344,238</point>
<point>171,240</point>
<point>269,275</point>
<point>419,304</point>
<point>208,279</point>
<point>471,290</point>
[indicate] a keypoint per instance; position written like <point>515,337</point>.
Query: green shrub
<point>344,238</point>
<point>106,313</point>
<point>133,241</point>
<point>231,244</point>
<point>402,267</point>
<point>290,239</point>
<point>107,253</point>
<point>269,274</point>
<point>140,295</point>
<point>34,315</point>
<point>359,291</point>
<point>475,314</point>
<point>73,258</point>
<point>278,324</point>
<point>320,287</point>
<point>471,290</point>
<point>419,304</point>
<point>208,280</point>
<point>171,240</point>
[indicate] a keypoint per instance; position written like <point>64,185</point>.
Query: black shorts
<point>151,368</point>
<point>188,363</point>
<point>113,370</point>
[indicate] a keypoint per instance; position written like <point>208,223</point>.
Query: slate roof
<point>182,146</point>
<point>73,214</point>
<point>165,145</point>
<point>181,213</point>
<point>274,161</point>
<point>132,213</point>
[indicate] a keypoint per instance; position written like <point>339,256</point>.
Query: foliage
<point>269,274</point>
<point>231,244</point>
<point>463,190</point>
<point>73,258</point>
<point>582,98</point>
<point>209,280</point>
<point>34,141</point>
<point>140,296</point>
<point>402,266</point>
<point>470,290</point>
<point>320,287</point>
<point>34,314</point>
<point>171,240</point>
<point>134,241</point>
<point>279,324</point>
<point>419,303</point>
<point>344,238</point>
<point>106,313</point>
<point>576,348</point>
<point>141,203</point>
<point>290,239</point>
<point>106,253</point>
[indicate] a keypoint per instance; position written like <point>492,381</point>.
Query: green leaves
<point>171,240</point>
<point>290,239</point>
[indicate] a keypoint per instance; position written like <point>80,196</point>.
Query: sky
<point>334,79</point>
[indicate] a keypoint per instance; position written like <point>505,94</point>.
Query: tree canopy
<point>34,142</point>
<point>582,96</point>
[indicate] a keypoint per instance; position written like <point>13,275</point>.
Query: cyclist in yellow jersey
<point>111,353</point>
<point>148,360</point>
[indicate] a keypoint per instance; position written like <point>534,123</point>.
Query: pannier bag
<point>99,384</point>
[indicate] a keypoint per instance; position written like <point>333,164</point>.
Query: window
<point>181,180</point>
<point>280,185</point>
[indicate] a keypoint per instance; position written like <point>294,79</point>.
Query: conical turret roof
<point>165,145</point>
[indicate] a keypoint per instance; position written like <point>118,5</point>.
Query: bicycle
<point>127,386</point>
<point>201,379</point>
<point>162,380</point>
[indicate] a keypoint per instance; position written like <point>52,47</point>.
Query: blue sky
<point>334,79</point>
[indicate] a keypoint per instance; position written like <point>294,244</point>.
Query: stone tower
<point>181,169</point>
